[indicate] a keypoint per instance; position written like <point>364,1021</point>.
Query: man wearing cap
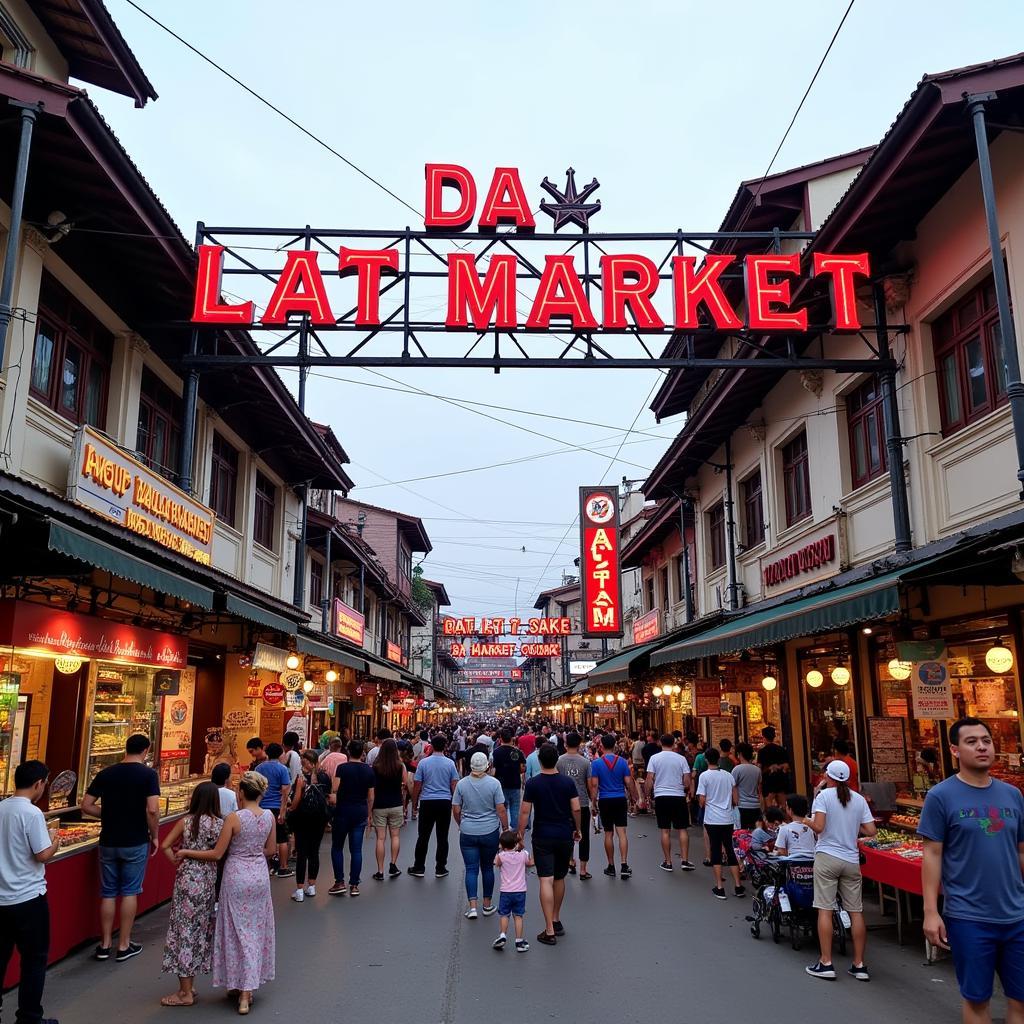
<point>838,817</point>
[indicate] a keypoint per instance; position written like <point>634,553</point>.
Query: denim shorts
<point>983,949</point>
<point>512,904</point>
<point>122,869</point>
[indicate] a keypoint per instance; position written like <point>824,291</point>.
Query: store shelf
<point>101,725</point>
<point>909,801</point>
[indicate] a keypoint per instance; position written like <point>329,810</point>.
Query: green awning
<point>616,668</point>
<point>328,652</point>
<point>582,686</point>
<point>80,546</point>
<point>821,613</point>
<point>254,613</point>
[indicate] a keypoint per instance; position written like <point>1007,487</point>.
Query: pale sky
<point>669,105</point>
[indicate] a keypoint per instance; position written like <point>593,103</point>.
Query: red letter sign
<point>368,264</point>
<point>439,175</point>
<point>560,294</point>
<point>599,562</point>
<point>506,201</point>
<point>208,308</point>
<point>762,293</point>
<point>691,289</point>
<point>844,296</point>
<point>490,302</point>
<point>299,289</point>
<point>618,292</point>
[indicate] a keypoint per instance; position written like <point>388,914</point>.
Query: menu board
<point>989,697</point>
<point>708,697</point>
<point>888,739</point>
<point>723,727</point>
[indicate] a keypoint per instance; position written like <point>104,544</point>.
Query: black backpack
<point>313,805</point>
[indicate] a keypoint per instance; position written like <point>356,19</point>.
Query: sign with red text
<point>348,623</point>
<point>274,694</point>
<point>647,627</point>
<point>600,575</point>
<point>57,631</point>
<point>394,653</point>
<point>492,673</point>
<point>813,556</point>
<point>501,626</point>
<point>707,697</point>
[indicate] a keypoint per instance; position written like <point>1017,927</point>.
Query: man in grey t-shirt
<point>573,765</point>
<point>746,776</point>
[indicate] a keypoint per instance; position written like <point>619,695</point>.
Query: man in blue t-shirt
<point>973,831</point>
<point>279,784</point>
<point>435,781</point>
<point>609,784</point>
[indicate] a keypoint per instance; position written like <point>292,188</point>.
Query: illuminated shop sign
<point>349,623</point>
<point>600,575</point>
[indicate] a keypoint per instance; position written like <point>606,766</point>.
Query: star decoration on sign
<point>570,206</point>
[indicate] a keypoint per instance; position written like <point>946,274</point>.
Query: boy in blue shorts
<point>513,862</point>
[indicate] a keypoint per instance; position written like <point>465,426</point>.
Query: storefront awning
<point>328,652</point>
<point>616,668</point>
<point>381,671</point>
<point>582,686</point>
<point>845,606</point>
<point>428,692</point>
<point>254,613</point>
<point>80,546</point>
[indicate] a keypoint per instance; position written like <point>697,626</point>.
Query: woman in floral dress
<point>243,948</point>
<point>189,947</point>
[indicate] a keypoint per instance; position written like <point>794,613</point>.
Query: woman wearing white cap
<point>839,816</point>
<point>478,806</point>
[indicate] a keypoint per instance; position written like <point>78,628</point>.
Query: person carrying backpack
<point>307,818</point>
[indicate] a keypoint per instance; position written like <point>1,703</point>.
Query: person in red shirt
<point>527,743</point>
<point>842,753</point>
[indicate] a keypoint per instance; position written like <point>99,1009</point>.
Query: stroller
<point>785,901</point>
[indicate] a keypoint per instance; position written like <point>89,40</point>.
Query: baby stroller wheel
<point>755,929</point>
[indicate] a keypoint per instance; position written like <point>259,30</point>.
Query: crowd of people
<point>522,797</point>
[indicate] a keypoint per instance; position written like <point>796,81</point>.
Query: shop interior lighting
<point>599,698</point>
<point>999,658</point>
<point>292,662</point>
<point>308,685</point>
<point>867,631</point>
<point>900,670</point>
<point>769,683</point>
<point>331,676</point>
<point>656,691</point>
<point>814,678</point>
<point>67,664</point>
<point>840,675</point>
<point>620,696</point>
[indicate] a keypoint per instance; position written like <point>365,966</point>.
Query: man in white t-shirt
<point>25,846</point>
<point>291,758</point>
<point>670,783</point>
<point>371,754</point>
<point>718,796</point>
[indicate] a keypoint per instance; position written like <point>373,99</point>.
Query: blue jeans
<point>349,823</point>
<point>513,798</point>
<point>479,852</point>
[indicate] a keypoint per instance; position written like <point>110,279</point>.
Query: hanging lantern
<point>656,691</point>
<point>677,689</point>
<point>840,675</point>
<point>292,661</point>
<point>67,664</point>
<point>769,683</point>
<point>331,676</point>
<point>814,678</point>
<point>620,696</point>
<point>999,658</point>
<point>900,669</point>
<point>599,698</point>
<point>307,685</point>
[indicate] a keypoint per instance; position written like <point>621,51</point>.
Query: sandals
<point>173,1000</point>
<point>244,1008</point>
<point>585,876</point>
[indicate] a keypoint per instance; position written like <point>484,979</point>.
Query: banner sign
<point>115,486</point>
<point>647,627</point>
<point>394,653</point>
<point>481,649</point>
<point>348,623</point>
<point>500,626</point>
<point>581,668</point>
<point>931,687</point>
<point>272,659</point>
<point>492,673</point>
<point>708,698</point>
<point>600,575</point>
<point>57,631</point>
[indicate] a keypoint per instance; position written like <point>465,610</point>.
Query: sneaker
<point>417,872</point>
<point>443,873</point>
<point>283,873</point>
<point>492,909</point>
<point>102,953</point>
<point>299,895</point>
<point>394,871</point>
<point>522,945</point>
<point>820,970</point>
<point>860,973</point>
<point>353,890</point>
<point>610,871</point>
<point>739,891</point>
<point>559,928</point>
<point>545,939</point>
<point>471,914</point>
<point>378,876</point>
<point>134,949</point>
<point>338,889</point>
<point>719,893</point>
<point>310,890</point>
<point>666,866</point>
<point>626,872</point>
<point>499,942</point>
<point>685,865</point>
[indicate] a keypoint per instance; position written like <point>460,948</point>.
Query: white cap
<point>478,762</point>
<point>839,771</point>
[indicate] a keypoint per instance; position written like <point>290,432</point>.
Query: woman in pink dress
<point>243,947</point>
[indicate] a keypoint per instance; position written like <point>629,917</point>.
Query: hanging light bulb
<point>599,698</point>
<point>620,696</point>
<point>814,678</point>
<point>769,683</point>
<point>840,675</point>
<point>900,669</point>
<point>308,685</point>
<point>331,676</point>
<point>292,662</point>
<point>999,658</point>
<point>656,691</point>
<point>677,689</point>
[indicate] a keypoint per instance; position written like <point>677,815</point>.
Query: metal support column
<point>190,402</point>
<point>893,438</point>
<point>325,604</point>
<point>1011,358</point>
<point>684,504</point>
<point>29,113</point>
<point>732,586</point>
<point>299,593</point>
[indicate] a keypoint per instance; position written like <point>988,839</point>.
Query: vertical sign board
<point>600,575</point>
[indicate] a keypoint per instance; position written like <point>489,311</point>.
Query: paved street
<point>655,948</point>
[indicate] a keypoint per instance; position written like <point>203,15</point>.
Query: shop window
<point>682,583</point>
<point>969,358</point>
<point>716,535</point>
<point>160,417</point>
<point>753,510</point>
<point>405,562</point>
<point>650,603</point>
<point>796,479</point>
<point>866,424</point>
<point>71,357</point>
<point>316,582</point>
<point>223,480</point>
<point>666,597</point>
<point>266,508</point>
<point>830,705</point>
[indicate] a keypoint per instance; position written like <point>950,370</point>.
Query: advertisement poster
<point>178,707</point>
<point>888,750</point>
<point>931,686</point>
